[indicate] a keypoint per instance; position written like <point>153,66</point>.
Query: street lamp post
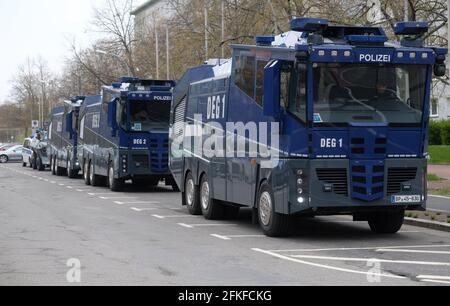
<point>125,64</point>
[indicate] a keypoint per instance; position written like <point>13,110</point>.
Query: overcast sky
<point>44,27</point>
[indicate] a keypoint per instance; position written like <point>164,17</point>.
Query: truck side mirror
<point>112,123</point>
<point>272,87</point>
<point>69,124</point>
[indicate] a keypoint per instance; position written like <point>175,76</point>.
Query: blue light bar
<point>411,28</point>
<point>367,39</point>
<point>309,24</point>
<point>264,40</point>
<point>129,80</point>
<point>116,85</point>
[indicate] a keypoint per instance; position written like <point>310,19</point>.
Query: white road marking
<point>327,266</point>
<point>135,203</point>
<point>116,198</point>
<point>103,193</point>
<point>61,184</point>
<point>446,278</point>
<point>406,262</point>
<point>52,182</point>
<point>435,281</point>
<point>173,216</point>
<point>231,237</point>
<point>365,249</point>
<point>439,197</point>
<point>412,251</point>
<point>69,187</point>
<point>141,209</point>
<point>204,225</point>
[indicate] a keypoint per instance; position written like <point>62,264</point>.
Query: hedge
<point>439,133</point>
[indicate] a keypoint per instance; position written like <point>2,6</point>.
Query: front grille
<point>141,160</point>
<point>397,176</point>
<point>336,177</point>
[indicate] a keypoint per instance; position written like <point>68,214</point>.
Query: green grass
<point>434,178</point>
<point>440,155</point>
<point>442,192</point>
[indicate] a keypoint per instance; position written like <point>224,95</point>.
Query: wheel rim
<point>190,192</point>
<point>205,195</point>
<point>111,176</point>
<point>3,159</point>
<point>86,171</point>
<point>265,208</point>
<point>91,172</point>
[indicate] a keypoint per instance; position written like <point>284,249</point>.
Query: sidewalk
<point>442,171</point>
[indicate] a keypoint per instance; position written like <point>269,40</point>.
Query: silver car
<point>12,154</point>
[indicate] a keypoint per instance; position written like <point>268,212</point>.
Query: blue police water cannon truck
<point>124,134</point>
<point>63,138</point>
<point>342,112</point>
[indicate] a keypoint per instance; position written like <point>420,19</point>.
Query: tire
<point>86,174</point>
<point>53,165</point>
<point>95,179</point>
<point>115,185</point>
<point>190,196</point>
<point>211,209</point>
<point>24,164</point>
<point>70,172</point>
<point>387,222</point>
<point>272,223</point>
<point>34,162</point>
<point>29,163</point>
<point>3,159</point>
<point>40,166</point>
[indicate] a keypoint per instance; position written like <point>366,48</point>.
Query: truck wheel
<point>114,184</point>
<point>272,223</point>
<point>53,163</point>
<point>3,159</point>
<point>191,196</point>
<point>24,164</point>
<point>211,209</point>
<point>387,222</point>
<point>30,164</point>
<point>40,166</point>
<point>34,161</point>
<point>86,174</point>
<point>70,172</point>
<point>95,179</point>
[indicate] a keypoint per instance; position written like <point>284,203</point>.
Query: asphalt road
<point>145,237</point>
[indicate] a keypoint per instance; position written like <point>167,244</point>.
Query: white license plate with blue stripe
<point>406,199</point>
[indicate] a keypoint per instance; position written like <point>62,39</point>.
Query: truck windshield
<point>149,116</point>
<point>346,93</point>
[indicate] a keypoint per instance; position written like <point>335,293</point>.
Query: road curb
<point>428,224</point>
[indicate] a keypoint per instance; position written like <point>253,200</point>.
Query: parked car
<point>27,153</point>
<point>6,146</point>
<point>11,154</point>
<point>39,157</point>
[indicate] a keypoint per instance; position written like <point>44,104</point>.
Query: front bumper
<point>141,163</point>
<point>328,186</point>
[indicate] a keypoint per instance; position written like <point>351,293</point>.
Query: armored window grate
<point>336,177</point>
<point>397,176</point>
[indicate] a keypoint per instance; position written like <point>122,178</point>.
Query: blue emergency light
<point>411,28</point>
<point>309,24</point>
<point>264,40</point>
<point>127,79</point>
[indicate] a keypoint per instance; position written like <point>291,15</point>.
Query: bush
<point>445,133</point>
<point>435,133</point>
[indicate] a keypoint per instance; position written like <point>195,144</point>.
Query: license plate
<point>406,199</point>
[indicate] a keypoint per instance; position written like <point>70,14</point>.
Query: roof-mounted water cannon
<point>413,32</point>
<point>313,26</point>
<point>440,69</point>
